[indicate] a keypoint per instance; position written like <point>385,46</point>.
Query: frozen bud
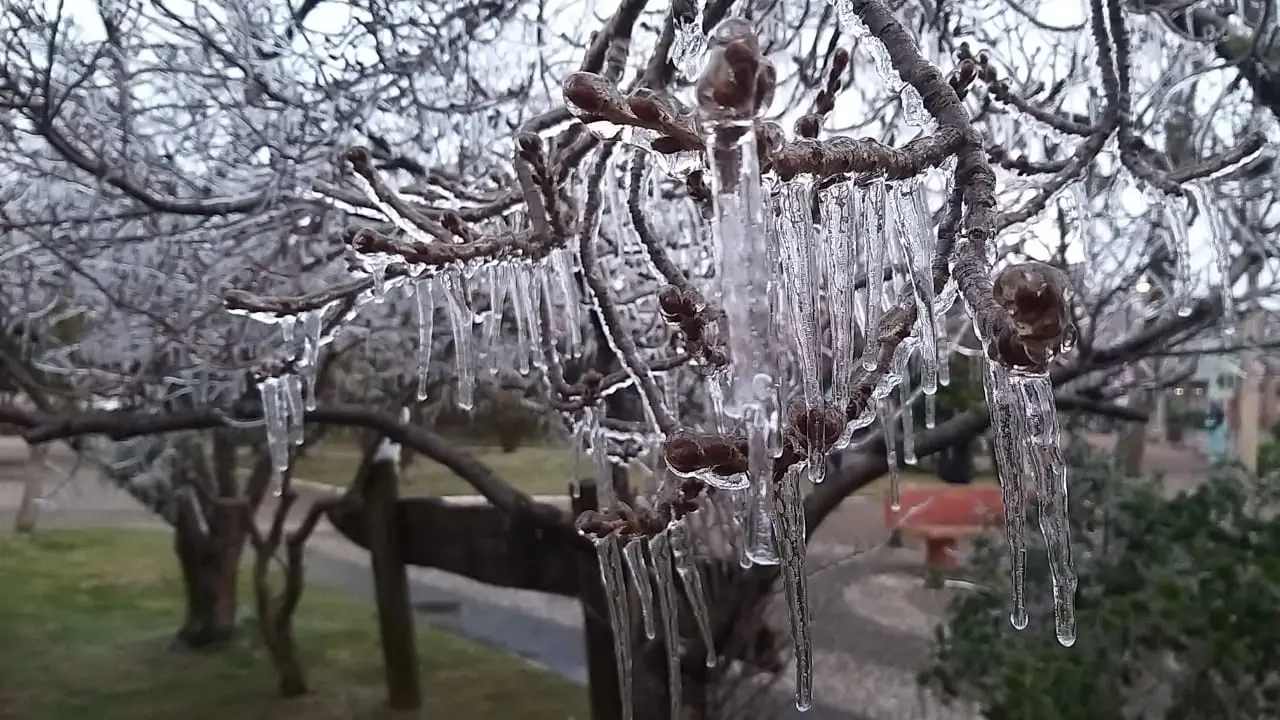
<point>684,11</point>
<point>359,158</point>
<point>723,457</point>
<point>667,145</point>
<point>683,454</point>
<point>732,84</point>
<point>808,126</point>
<point>817,427</point>
<point>733,30</point>
<point>1034,295</point>
<point>529,143</point>
<point>591,93</point>
<point>676,303</point>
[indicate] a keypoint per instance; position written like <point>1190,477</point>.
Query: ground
<point>89,613</point>
<point>873,619</point>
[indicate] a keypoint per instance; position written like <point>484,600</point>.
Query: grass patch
<point>535,469</point>
<point>88,615</point>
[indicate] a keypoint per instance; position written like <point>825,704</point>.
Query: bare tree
<point>601,222</point>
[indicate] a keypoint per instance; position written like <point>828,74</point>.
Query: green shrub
<point>1177,610</point>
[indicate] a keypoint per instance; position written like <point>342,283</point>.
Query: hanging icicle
<point>425,310</point>
<point>798,256</point>
<point>791,529</point>
<point>460,316</point>
<point>612,574</point>
<point>635,552</point>
<point>668,612</point>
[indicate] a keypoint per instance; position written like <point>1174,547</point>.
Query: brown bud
<point>1034,295</point>
<point>667,145</point>
<point>724,457</point>
<point>683,453</point>
<point>591,93</point>
<point>676,303</point>
<point>359,157</point>
<point>646,109</point>
<point>808,126</point>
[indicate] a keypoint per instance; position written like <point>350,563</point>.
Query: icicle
<point>715,395</point>
<point>739,231</point>
<point>891,452</point>
<point>789,509</point>
<point>275,410</point>
<point>1043,458</point>
<point>289,333</point>
<point>1005,421</point>
<point>533,297</point>
<point>460,316</point>
<point>595,440</point>
<point>296,406</point>
<point>912,104</point>
<point>915,239</point>
<point>671,392</point>
<point>760,540</point>
<point>425,307</point>
<point>1175,213</point>
<point>638,566</point>
<point>689,46</point>
<point>526,320</point>
<point>837,216</point>
<point>870,210</point>
<point>499,284</point>
<point>1219,242</point>
<point>908,426</point>
<point>668,612</point>
<point>691,577</point>
<point>312,331</point>
<point>799,260</point>
<point>615,590</point>
<point>561,261</point>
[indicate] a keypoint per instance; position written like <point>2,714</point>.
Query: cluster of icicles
<point>786,280</point>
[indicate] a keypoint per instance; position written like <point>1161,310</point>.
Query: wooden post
<point>391,581</point>
<point>602,670</point>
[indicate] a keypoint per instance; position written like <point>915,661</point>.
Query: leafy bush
<point>1177,610</point>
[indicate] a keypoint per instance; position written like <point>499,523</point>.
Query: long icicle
<point>1001,401</point>
<point>799,255</point>
<point>668,611</point>
<point>1049,468</point>
<point>641,579</point>
<point>615,588</point>
<point>691,577</point>
<point>791,528</point>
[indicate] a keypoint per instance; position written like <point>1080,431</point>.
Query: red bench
<point>942,515</point>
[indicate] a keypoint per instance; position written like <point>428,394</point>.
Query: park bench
<point>943,515</point>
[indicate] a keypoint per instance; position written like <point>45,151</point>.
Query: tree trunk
<point>210,564</point>
<point>1131,445</point>
<point>32,486</point>
<point>277,636</point>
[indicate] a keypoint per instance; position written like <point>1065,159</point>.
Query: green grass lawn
<point>536,469</point>
<point>86,617</point>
